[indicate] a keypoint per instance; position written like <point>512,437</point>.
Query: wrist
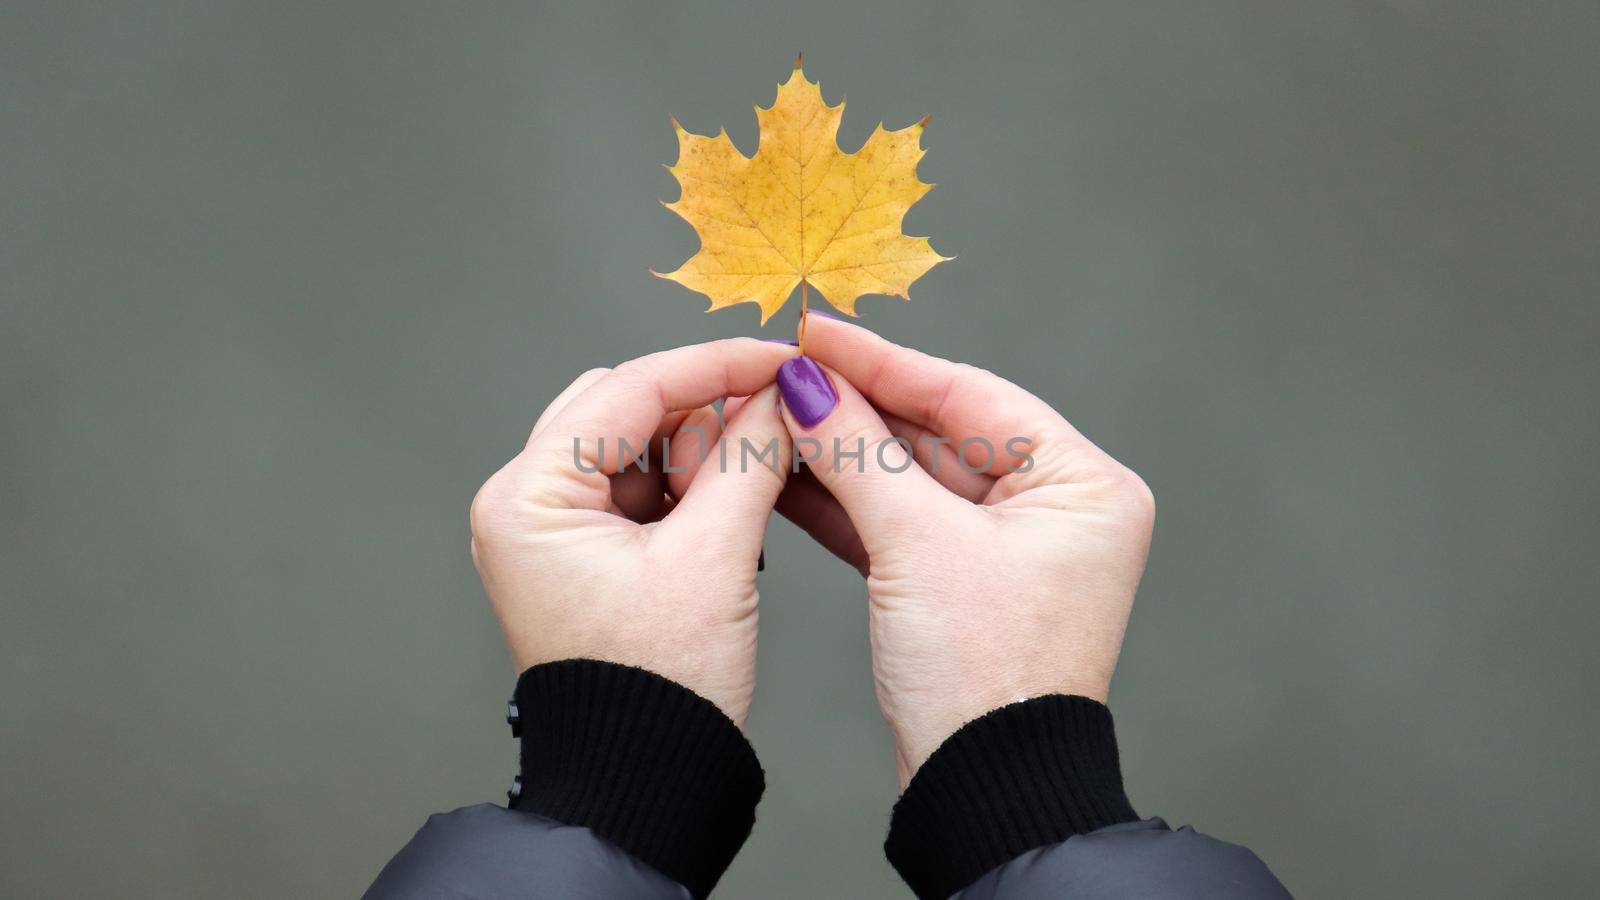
<point>910,752</point>
<point>917,738</point>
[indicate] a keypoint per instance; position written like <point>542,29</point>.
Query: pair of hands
<point>1007,577</point>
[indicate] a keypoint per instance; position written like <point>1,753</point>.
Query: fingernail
<point>825,315</point>
<point>761,561</point>
<point>786,341</point>
<point>806,390</point>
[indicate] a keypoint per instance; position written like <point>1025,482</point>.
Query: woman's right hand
<point>586,555</point>
<point>986,587</point>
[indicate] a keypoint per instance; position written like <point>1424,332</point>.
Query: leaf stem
<point>804,304</point>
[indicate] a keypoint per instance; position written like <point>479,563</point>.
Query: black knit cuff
<point>1023,776</point>
<point>641,761</point>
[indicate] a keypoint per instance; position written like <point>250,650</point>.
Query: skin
<point>984,588</point>
<point>609,565</point>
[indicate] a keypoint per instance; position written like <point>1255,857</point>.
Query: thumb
<point>852,452</point>
<point>739,479</point>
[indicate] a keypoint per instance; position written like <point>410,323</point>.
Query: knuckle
<point>776,476</point>
<point>480,512</point>
<point>1057,461</point>
<point>490,505</point>
<point>1136,494</point>
<point>635,371</point>
<point>636,377</point>
<point>858,436</point>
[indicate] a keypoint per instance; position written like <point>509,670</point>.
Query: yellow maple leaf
<point>801,212</point>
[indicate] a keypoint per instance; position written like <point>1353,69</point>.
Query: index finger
<point>960,403</point>
<point>629,403</point>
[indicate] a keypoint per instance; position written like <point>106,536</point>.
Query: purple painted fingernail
<point>825,315</point>
<point>806,390</point>
<point>786,341</point>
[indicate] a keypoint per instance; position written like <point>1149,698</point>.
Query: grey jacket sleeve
<point>631,786</point>
<point>1026,803</point>
<point>1132,861</point>
<point>483,852</point>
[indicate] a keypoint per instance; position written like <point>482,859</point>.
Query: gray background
<point>281,283</point>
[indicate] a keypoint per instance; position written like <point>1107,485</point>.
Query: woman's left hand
<point>586,556</point>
